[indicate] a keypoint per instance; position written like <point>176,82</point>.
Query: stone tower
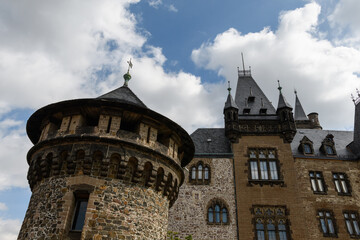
<point>103,168</point>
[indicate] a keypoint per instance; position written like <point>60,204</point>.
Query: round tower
<point>103,168</point>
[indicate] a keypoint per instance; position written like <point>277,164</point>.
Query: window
<point>199,174</point>
<point>352,223</point>
<point>317,182</point>
<point>217,213</point>
<point>270,223</point>
<point>327,223</point>
<point>328,146</point>
<point>306,146</point>
<point>263,166</point>
<point>341,182</point>
<point>81,201</point>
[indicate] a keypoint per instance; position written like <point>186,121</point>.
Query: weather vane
<point>127,75</point>
<point>229,88</point>
<point>279,86</point>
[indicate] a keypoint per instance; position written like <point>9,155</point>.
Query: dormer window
<point>262,111</point>
<point>251,99</point>
<point>328,146</point>
<point>246,111</point>
<point>306,146</point>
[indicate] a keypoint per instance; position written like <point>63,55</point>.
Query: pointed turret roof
<point>299,111</point>
<point>282,100</point>
<point>250,96</point>
<point>230,101</point>
<point>123,94</point>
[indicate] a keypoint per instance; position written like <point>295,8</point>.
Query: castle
<point>110,168</point>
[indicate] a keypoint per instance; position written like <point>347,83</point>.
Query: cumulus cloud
<point>9,229</point>
<point>323,73</point>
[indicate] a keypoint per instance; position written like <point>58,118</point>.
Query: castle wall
<point>281,193</point>
<point>189,213</point>
<point>331,200</point>
<point>113,210</point>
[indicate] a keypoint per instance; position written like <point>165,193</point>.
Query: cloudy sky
<point>183,52</point>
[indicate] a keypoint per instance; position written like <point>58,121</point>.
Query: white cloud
<point>9,228</point>
<point>323,74</point>
<point>3,207</point>
<point>155,3</point>
<point>172,8</point>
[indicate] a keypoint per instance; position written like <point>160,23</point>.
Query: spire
<point>127,75</point>
<point>282,101</point>
<point>230,101</point>
<point>299,111</point>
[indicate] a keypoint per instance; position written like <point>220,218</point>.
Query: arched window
<point>199,174</point>
<point>217,213</point>
<point>260,233</point>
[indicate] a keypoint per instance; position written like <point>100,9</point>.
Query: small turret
<point>311,121</point>
<point>287,123</point>
<point>231,116</point>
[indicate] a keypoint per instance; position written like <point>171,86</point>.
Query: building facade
<point>270,174</point>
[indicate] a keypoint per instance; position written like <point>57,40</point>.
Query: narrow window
<point>260,233</point>
<point>282,230</point>
<point>273,170</point>
<point>193,173</point>
<point>217,213</point>
<point>317,182</point>
<point>148,135</point>
<point>263,170</point>
<point>327,223</point>
<point>352,223</point>
<point>271,231</point>
<point>341,183</point>
<point>109,125</point>
<point>206,173</point>
<point>224,215</point>
<point>200,171</point>
<point>211,215</point>
<point>81,201</point>
<point>254,170</point>
<point>329,150</point>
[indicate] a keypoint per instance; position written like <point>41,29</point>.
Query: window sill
<point>330,235</point>
<point>320,193</point>
<point>199,182</point>
<point>344,194</point>
<point>218,224</point>
<point>267,182</point>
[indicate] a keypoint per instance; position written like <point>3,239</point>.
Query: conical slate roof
<point>123,94</point>
<point>230,102</point>
<point>299,111</point>
<point>282,102</point>
<point>247,89</point>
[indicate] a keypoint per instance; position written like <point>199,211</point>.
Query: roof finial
<point>358,92</point>
<point>295,91</point>
<point>229,88</point>
<point>127,75</point>
<point>279,86</point>
<point>353,98</point>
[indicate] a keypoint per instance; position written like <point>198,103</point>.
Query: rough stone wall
<point>271,195</point>
<point>115,210</point>
<point>189,213</point>
<point>331,200</point>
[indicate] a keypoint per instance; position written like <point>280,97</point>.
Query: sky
<point>183,52</point>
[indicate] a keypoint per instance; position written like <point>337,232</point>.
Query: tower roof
<point>299,111</point>
<point>249,96</point>
<point>230,101</point>
<point>123,94</point>
<point>282,100</point>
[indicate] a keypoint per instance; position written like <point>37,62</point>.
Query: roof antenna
<point>242,57</point>
<point>127,75</point>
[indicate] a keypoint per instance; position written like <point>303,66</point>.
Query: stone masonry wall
<point>189,213</point>
<point>115,210</point>
<point>331,200</point>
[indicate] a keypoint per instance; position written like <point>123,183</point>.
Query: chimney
<point>314,120</point>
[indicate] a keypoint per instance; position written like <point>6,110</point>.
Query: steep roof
<point>230,102</point>
<point>247,87</point>
<point>211,141</point>
<point>299,111</point>
<point>123,94</point>
<point>282,102</point>
<point>341,139</point>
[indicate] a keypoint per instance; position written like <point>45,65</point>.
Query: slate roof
<point>299,111</point>
<point>341,139</point>
<point>243,92</point>
<point>230,102</point>
<point>282,102</point>
<point>211,142</point>
<point>123,94</point>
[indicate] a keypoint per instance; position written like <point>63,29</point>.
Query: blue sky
<point>183,51</point>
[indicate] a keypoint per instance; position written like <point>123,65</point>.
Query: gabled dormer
<point>328,146</point>
<point>306,146</point>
